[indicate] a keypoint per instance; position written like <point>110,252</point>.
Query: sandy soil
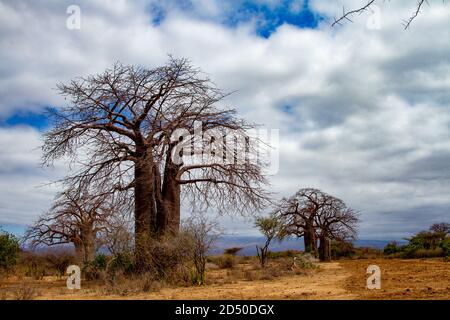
<point>345,279</point>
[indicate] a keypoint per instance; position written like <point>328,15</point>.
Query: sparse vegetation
<point>9,251</point>
<point>425,244</point>
<point>271,227</point>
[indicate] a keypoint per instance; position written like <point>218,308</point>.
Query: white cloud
<point>365,111</point>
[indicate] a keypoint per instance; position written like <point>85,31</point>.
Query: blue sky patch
<point>270,17</point>
<point>36,120</point>
<point>267,16</point>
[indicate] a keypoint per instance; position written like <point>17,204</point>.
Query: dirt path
<point>346,279</point>
<point>328,282</point>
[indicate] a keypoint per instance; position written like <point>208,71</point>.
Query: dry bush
<point>168,258</point>
<point>39,265</point>
<point>26,292</point>
<point>59,261</point>
<point>367,253</point>
<point>126,285</point>
<point>225,261</point>
<point>251,275</point>
<point>427,253</point>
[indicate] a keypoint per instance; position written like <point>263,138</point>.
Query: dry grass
<point>26,292</point>
<point>345,279</point>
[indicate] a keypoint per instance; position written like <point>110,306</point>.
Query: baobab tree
<point>335,221</point>
<point>347,15</point>
<point>75,218</point>
<point>316,215</point>
<point>124,126</point>
<point>299,213</point>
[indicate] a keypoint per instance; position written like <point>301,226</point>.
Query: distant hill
<point>248,244</point>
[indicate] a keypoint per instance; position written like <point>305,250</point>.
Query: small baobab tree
<point>337,222</point>
<point>317,216</point>
<point>75,218</point>
<point>299,213</point>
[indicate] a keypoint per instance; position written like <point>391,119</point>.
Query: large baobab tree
<point>126,125</point>
<point>75,218</point>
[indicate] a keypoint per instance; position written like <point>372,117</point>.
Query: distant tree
<point>232,251</point>
<point>9,250</point>
<point>76,217</point>
<point>271,227</point>
<point>299,213</point>
<point>442,230</point>
<point>335,221</point>
<point>316,215</point>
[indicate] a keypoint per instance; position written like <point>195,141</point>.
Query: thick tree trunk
<point>79,256</point>
<point>169,211</point>
<point>88,243</point>
<point>309,238</point>
<point>324,249</point>
<point>144,207</point>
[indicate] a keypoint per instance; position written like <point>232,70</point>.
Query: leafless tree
<point>316,215</point>
<point>203,233</point>
<point>119,128</point>
<point>335,221</point>
<point>117,236</point>
<point>347,15</point>
<point>299,213</point>
<point>441,230</point>
<point>75,218</point>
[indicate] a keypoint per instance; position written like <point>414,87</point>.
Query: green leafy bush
<point>284,254</point>
<point>445,246</point>
<point>342,249</point>
<point>9,250</point>
<point>392,248</point>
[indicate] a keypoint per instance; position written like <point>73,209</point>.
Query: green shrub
<point>391,248</point>
<point>122,262</point>
<point>96,268</point>
<point>445,246</point>
<point>100,262</point>
<point>341,249</point>
<point>9,250</point>
<point>423,253</point>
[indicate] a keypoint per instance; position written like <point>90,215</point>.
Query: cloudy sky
<point>362,108</point>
